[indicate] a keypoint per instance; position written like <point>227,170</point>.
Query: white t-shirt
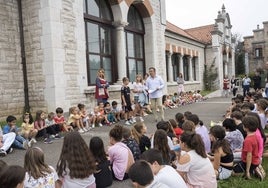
<point>88,182</point>
<point>156,184</point>
<point>170,177</point>
<point>44,182</point>
<point>170,143</point>
<point>200,172</point>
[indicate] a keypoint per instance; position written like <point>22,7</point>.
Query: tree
<point>239,54</point>
<point>210,75</point>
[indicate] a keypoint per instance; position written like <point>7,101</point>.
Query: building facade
<point>50,50</point>
<point>256,50</point>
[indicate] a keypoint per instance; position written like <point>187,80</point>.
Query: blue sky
<point>244,14</point>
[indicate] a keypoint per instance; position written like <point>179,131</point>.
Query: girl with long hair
<point>103,173</point>
<point>38,173</point>
<point>138,132</point>
<point>194,162</point>
<point>161,143</point>
<point>222,155</point>
<point>76,164</point>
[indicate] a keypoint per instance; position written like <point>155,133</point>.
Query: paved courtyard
<point>209,110</point>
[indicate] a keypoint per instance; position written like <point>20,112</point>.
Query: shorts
<point>127,108</point>
<point>224,173</point>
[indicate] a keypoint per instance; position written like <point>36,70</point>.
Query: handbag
<point>101,91</point>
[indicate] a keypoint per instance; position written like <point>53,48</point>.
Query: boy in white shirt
<point>164,174</point>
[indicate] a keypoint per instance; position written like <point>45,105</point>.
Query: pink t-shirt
<point>118,154</point>
<point>260,143</point>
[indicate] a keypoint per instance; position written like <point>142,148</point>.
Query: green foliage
<point>240,63</point>
<point>210,75</point>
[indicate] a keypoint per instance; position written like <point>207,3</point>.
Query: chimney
<point>258,26</point>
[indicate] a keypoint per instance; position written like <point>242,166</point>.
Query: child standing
<point>19,142</point>
<point>38,173</point>
<point>126,102</point>
<point>75,120</point>
<point>40,125</point>
<point>76,164</point>
<point>27,129</point>
<point>140,99</point>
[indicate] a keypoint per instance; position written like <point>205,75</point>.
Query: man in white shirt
<point>155,85</point>
<point>163,173</point>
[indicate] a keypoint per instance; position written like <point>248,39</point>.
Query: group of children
<point>184,98</point>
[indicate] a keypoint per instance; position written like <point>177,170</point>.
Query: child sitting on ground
<point>75,120</point>
<point>53,126</point>
<point>118,113</point>
<point>96,117</point>
<point>40,125</point>
<point>109,113</point>
<point>102,113</point>
<point>27,129</point>
<point>85,116</point>
<point>19,142</point>
<point>59,120</point>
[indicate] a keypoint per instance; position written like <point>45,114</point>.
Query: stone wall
<point>11,78</point>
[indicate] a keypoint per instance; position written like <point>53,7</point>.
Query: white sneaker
<point>81,131</point>
<point>100,125</point>
<point>93,126</point>
<point>141,119</point>
<point>30,143</point>
<point>134,120</point>
<point>127,123</point>
<point>85,130</point>
<point>33,139</point>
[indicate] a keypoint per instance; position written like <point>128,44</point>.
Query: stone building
<point>50,50</point>
<point>256,50</point>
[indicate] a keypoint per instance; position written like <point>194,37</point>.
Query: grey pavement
<point>209,110</point>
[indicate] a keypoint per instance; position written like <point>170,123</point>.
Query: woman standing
<point>101,89</point>
<point>180,81</point>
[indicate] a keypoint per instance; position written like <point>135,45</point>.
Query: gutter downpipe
<point>23,60</point>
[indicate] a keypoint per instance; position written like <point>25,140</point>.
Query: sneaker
<point>10,150</point>
<point>52,136</point>
<point>30,143</point>
<point>134,120</point>
<point>57,136</point>
<point>25,145</point>
<point>260,172</point>
<point>127,123</point>
<point>93,126</point>
<point>85,129</point>
<point>131,121</point>
<point>81,131</point>
<point>141,119</point>
<point>48,141</point>
<point>33,140</point>
<point>3,153</point>
<point>100,125</point>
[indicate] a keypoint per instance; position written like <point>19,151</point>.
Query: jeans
<point>18,142</point>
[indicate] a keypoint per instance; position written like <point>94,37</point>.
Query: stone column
<point>181,64</point>
<point>170,72</point>
<point>190,68</point>
<point>121,50</point>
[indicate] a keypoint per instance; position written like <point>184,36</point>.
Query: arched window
<point>98,24</point>
<point>134,44</point>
